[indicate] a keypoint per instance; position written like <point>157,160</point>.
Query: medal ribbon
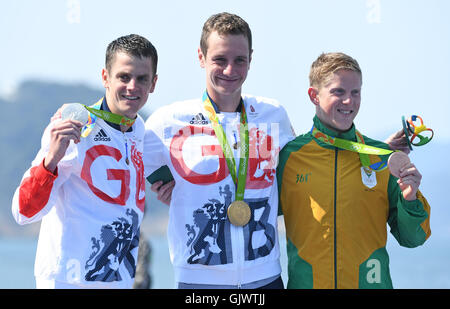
<point>359,146</point>
<point>222,138</point>
<point>95,111</point>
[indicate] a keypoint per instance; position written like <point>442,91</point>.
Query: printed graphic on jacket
<point>122,175</point>
<point>112,248</point>
<point>209,238</point>
<point>263,150</point>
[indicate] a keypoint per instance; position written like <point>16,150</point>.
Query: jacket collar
<point>348,135</point>
<point>105,107</point>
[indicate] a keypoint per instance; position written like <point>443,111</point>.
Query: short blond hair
<point>323,68</point>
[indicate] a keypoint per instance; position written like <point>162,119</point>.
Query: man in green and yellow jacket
<point>335,202</point>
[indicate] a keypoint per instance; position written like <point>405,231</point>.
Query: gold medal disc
<point>239,213</point>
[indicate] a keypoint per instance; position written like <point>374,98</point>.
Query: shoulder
<point>261,101</point>
<point>139,121</point>
<point>296,144</point>
<point>292,147</point>
<point>260,108</point>
<point>139,125</point>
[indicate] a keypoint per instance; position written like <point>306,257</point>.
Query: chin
<point>344,128</point>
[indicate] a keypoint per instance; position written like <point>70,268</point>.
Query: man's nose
<point>228,69</point>
<point>347,100</point>
<point>132,84</point>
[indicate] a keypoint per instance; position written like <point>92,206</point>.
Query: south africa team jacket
<point>336,215</point>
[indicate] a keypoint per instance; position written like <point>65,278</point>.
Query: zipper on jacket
<point>335,209</point>
<point>238,236</point>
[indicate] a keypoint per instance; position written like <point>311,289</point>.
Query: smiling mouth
<point>345,112</point>
<point>228,79</point>
<point>129,97</point>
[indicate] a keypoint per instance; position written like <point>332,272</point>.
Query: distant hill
<point>25,116</point>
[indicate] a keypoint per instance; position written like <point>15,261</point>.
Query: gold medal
<point>239,213</point>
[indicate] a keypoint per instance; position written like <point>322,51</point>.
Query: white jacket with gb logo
<point>91,209</point>
<point>205,247</point>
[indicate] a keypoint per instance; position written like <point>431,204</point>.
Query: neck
<point>226,103</point>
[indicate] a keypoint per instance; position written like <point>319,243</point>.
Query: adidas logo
<point>198,119</point>
<point>101,136</point>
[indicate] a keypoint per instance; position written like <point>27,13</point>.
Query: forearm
<point>410,221</point>
<point>33,194</point>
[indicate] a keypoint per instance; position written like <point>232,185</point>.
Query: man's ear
<point>105,79</point>
<point>155,79</point>
<point>201,58</point>
<point>313,95</point>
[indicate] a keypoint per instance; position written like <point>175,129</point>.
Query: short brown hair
<point>133,45</point>
<point>327,64</point>
<point>224,23</point>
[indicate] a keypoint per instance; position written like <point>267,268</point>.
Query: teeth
<point>345,112</point>
<point>130,97</point>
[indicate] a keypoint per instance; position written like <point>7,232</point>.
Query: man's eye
<point>124,78</point>
<point>219,60</point>
<point>338,91</point>
<point>143,79</point>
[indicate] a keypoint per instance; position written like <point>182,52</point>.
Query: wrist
<point>50,164</point>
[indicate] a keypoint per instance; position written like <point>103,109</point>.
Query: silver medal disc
<point>75,111</point>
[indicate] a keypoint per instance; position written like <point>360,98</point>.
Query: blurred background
<point>52,52</point>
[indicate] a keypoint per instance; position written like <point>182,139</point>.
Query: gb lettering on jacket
<point>198,157</point>
<point>103,164</point>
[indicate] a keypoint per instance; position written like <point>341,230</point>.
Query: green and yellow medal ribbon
<point>222,138</point>
<point>359,146</point>
<point>95,111</point>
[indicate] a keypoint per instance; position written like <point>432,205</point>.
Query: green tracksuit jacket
<point>336,215</point>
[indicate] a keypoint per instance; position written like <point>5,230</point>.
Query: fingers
<point>410,171</point>
<point>60,136</point>
<point>397,141</point>
<point>164,191</point>
<point>155,186</point>
<point>409,181</point>
<point>399,134</point>
<point>67,130</point>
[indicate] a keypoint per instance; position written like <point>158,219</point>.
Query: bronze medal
<point>396,161</point>
<point>239,213</point>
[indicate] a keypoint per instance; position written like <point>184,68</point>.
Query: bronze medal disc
<point>239,213</point>
<point>396,161</point>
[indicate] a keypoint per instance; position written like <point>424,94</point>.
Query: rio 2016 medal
<point>75,111</point>
<point>239,213</point>
<point>396,161</point>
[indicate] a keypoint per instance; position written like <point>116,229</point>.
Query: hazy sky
<point>402,47</point>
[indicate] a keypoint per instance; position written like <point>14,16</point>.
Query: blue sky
<point>402,47</point>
